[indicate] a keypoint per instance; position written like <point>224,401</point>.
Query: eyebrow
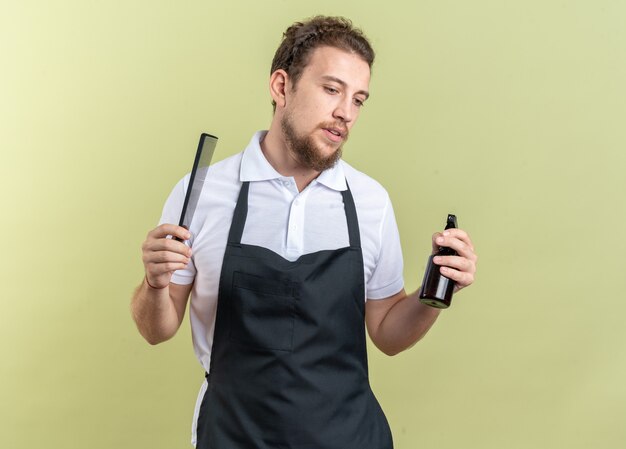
<point>343,84</point>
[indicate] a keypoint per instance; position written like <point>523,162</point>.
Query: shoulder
<point>220,184</point>
<point>226,169</point>
<point>221,173</point>
<point>365,189</point>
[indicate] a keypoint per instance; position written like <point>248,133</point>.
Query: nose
<point>344,110</point>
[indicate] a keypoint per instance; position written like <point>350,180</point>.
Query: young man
<point>291,255</point>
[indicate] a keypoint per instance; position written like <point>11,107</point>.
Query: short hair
<point>302,38</point>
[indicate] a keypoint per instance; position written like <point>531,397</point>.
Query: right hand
<point>162,256</point>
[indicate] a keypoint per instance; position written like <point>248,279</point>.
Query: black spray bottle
<point>437,289</point>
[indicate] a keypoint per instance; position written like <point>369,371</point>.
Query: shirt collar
<point>254,167</point>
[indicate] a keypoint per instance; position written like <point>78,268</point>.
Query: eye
<point>359,102</point>
<point>331,90</point>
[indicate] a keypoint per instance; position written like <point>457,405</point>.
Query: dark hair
<point>302,38</point>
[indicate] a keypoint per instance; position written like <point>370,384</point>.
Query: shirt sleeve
<point>171,214</point>
<point>387,278</point>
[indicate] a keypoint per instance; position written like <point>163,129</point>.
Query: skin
<point>329,94</point>
<point>328,97</point>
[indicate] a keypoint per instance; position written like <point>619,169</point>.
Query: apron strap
<point>239,217</point>
<point>351,217</point>
<point>241,213</point>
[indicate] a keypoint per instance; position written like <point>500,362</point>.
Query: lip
<point>336,136</point>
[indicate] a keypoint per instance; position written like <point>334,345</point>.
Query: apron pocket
<point>262,312</point>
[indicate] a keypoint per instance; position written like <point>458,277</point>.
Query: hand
<point>462,267</point>
<point>162,256</point>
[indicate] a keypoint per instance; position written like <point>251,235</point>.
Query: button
<point>296,202</point>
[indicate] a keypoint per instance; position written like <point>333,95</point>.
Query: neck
<point>277,153</point>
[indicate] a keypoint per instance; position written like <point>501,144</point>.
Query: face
<point>324,105</point>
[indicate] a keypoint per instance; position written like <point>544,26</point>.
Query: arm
<point>398,322</point>
<point>158,306</point>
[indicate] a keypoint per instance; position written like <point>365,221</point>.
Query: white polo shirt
<point>286,221</point>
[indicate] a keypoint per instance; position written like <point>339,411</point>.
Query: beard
<point>305,149</point>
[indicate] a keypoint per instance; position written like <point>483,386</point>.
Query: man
<point>291,254</point>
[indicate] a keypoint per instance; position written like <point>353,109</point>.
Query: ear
<point>278,87</point>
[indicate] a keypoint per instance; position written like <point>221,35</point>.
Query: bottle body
<point>437,289</point>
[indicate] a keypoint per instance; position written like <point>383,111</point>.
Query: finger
<point>166,229</point>
<point>461,278</point>
<point>160,275</point>
<point>436,245</point>
<point>165,244</point>
<point>160,257</point>
<point>158,269</point>
<point>457,262</point>
<point>460,246</point>
<point>443,238</point>
<point>459,234</point>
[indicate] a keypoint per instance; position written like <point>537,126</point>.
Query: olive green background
<point>508,113</point>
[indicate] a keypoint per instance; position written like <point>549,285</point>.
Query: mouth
<point>335,134</point>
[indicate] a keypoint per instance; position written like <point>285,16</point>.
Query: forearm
<point>154,313</point>
<point>398,322</point>
<point>406,322</point>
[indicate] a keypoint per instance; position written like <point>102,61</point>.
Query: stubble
<point>306,150</point>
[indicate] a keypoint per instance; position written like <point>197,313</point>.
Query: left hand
<point>462,267</point>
